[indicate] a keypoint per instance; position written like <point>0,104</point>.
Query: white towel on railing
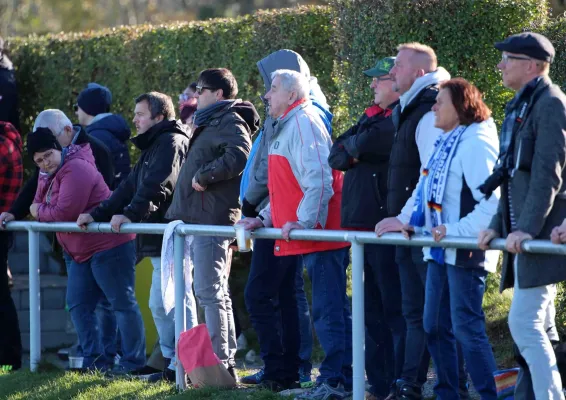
<point>168,266</point>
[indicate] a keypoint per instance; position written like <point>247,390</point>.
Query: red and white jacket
<point>302,186</point>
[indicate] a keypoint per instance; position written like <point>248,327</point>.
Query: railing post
<point>34,301</point>
<point>358,324</point>
<point>180,306</point>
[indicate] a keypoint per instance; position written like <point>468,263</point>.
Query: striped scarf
<point>433,184</point>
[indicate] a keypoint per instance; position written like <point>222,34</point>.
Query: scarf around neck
<point>202,116</point>
<point>433,185</point>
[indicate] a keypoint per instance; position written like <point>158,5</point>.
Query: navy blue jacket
<point>114,132</point>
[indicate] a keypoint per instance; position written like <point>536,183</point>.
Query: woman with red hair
<point>447,202</point>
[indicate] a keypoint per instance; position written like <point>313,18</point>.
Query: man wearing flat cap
<point>533,201</point>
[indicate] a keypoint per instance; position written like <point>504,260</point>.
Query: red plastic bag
<point>200,362</point>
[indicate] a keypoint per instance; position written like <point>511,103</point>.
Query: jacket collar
<point>145,140</point>
<point>293,109</point>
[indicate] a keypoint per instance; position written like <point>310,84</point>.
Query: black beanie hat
<point>41,139</point>
<point>95,99</point>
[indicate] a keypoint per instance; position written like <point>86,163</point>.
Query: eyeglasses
<point>381,79</point>
<point>506,57</point>
<point>201,89</point>
<point>41,160</point>
<point>183,97</point>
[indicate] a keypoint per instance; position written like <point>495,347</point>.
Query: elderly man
<point>363,152</point>
<point>531,175</point>
<point>145,196</point>
<point>305,193</point>
<point>207,193</point>
<point>262,291</point>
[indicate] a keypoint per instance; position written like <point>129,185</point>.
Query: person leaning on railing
<point>447,202</point>
<point>531,174</point>
<point>97,264</point>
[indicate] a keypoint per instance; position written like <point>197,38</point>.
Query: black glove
<point>248,209</point>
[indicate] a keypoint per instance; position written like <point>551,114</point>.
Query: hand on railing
<point>558,235</point>
<point>391,224</point>
<point>514,243</point>
<point>485,237</point>
<point>84,220</point>
<point>6,217</point>
<point>117,221</point>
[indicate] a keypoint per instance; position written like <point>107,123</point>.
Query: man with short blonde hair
<point>423,54</point>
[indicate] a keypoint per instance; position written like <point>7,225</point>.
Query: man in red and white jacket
<point>305,193</point>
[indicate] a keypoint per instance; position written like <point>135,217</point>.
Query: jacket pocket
<point>375,182</point>
<point>525,154</point>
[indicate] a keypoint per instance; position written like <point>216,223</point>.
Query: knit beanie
<point>41,139</point>
<point>95,99</point>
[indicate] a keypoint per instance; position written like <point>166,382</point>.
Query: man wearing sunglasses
<point>363,153</point>
<point>207,194</point>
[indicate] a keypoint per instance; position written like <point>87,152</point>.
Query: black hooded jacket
<point>217,157</point>
<point>8,93</point>
<point>147,192</point>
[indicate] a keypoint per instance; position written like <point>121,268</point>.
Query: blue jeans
<point>385,325</point>
<point>305,323</point>
<point>106,320</point>
<point>453,314</point>
<point>109,273</point>
<point>331,314</point>
<point>274,278</point>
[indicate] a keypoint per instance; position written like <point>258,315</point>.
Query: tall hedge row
<point>461,31</point>
<point>338,42</point>
<point>131,60</point>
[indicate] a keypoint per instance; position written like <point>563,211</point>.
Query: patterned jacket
<point>11,165</point>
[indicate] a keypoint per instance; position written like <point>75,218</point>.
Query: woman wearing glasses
<point>447,202</point>
<point>188,104</point>
<point>99,265</point>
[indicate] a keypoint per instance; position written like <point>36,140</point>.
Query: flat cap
<point>530,44</point>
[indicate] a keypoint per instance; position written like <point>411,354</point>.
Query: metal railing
<point>356,238</point>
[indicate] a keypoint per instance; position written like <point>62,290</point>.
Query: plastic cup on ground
<point>75,362</point>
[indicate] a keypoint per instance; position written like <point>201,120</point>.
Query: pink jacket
<point>76,188</point>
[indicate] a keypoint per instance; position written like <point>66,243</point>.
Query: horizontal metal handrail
<point>357,240</point>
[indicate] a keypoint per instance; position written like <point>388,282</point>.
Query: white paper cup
<point>243,238</point>
<point>75,362</point>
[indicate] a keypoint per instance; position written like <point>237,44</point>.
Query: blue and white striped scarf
<point>435,176</point>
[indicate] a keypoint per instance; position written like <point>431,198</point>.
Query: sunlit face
<point>82,116</point>
<point>142,118</point>
<point>514,68</point>
<point>445,115</point>
<point>278,98</point>
<point>404,74</point>
<point>383,90</point>
<point>48,160</point>
<point>206,95</point>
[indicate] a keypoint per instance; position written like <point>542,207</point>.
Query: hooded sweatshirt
<point>77,187</point>
<point>218,151</point>
<point>114,132</point>
<point>254,181</point>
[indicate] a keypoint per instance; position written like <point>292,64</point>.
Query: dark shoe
<point>232,371</point>
<point>253,379</point>
<point>168,375</point>
<point>145,370</point>
<point>408,390</point>
<point>277,386</point>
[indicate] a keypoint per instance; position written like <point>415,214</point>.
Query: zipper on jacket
<point>376,182</point>
<point>202,200</point>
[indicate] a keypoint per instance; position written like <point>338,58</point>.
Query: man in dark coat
<point>531,174</point>
<point>145,196</point>
<point>8,92</point>
<point>363,152</point>
<point>93,112</point>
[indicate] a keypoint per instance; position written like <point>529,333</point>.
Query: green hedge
<point>52,69</point>
<point>461,31</point>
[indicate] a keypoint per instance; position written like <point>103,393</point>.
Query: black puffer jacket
<point>8,93</point>
<point>364,193</point>
<point>405,163</point>
<point>217,157</point>
<point>146,194</point>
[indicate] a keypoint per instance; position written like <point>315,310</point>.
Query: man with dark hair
<point>8,91</point>
<point>207,193</point>
<point>11,176</point>
<point>93,112</point>
<point>146,195</point>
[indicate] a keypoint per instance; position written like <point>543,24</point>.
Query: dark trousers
<point>10,340</point>
<point>385,325</point>
<point>273,278</point>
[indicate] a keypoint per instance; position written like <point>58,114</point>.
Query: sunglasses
<point>201,89</point>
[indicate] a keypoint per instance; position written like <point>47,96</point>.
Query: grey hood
<point>281,59</point>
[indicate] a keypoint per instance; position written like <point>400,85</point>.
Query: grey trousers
<point>211,259</point>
